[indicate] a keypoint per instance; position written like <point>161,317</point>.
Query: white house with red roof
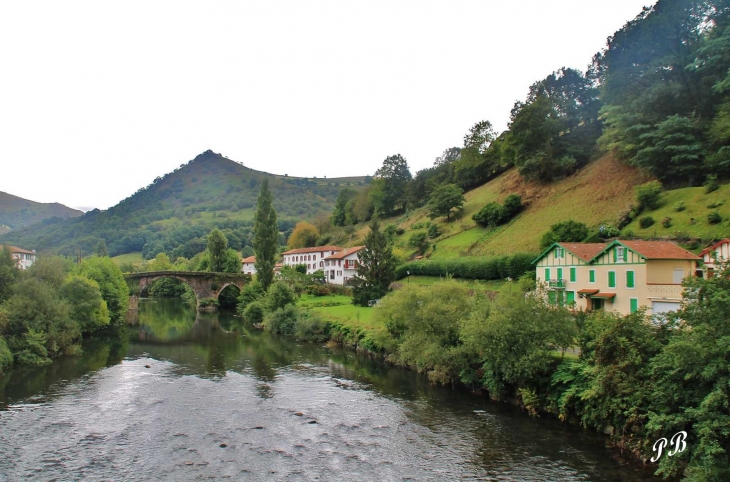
<point>248,265</point>
<point>716,255</point>
<point>23,257</point>
<point>341,267</point>
<point>312,258</point>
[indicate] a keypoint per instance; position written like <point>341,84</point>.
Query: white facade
<point>341,267</point>
<point>718,253</point>
<point>23,257</point>
<point>312,258</point>
<point>247,265</point>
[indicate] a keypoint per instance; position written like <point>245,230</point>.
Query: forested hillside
<point>16,212</point>
<point>175,212</point>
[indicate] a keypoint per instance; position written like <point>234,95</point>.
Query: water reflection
<point>284,409</point>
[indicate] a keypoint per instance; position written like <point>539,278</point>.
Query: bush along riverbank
<point>637,379</point>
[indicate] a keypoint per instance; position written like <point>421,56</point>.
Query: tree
<point>648,195</point>
<point>8,272</point>
<point>490,215</point>
<point>450,155</point>
<point>445,198</point>
<point>266,237</point>
<point>419,241</point>
<point>376,270</point>
<point>217,246</point>
<point>305,235</point>
<point>231,262</point>
<point>100,249</point>
<point>389,186</point>
<point>339,215</point>
<point>88,309</point>
<point>113,287</point>
<point>564,232</point>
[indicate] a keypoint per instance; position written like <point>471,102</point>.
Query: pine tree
<point>100,249</point>
<point>266,237</point>
<point>217,247</point>
<point>376,269</point>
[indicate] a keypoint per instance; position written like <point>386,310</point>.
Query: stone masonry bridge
<point>205,285</point>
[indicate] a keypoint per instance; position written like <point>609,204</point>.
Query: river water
<point>190,396</point>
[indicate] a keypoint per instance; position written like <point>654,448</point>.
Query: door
<point>658,307</point>
<point>678,276</point>
<point>597,303</point>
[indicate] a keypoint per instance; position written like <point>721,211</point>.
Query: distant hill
<point>178,209</point>
<point>16,212</point>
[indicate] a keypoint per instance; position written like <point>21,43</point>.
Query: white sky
<point>99,98</point>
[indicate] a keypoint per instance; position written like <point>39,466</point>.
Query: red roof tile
<point>312,250</point>
<point>250,259</point>
<point>659,250</point>
<point>15,249</point>
<point>714,246</point>
<point>345,252</point>
<point>585,251</point>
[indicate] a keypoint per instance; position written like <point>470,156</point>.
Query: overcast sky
<point>97,99</point>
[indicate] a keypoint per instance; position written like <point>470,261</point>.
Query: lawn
<point>134,258</point>
<point>492,285</point>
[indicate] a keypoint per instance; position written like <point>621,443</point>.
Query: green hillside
<point>16,212</point>
<point>595,195</point>
<point>178,210</point>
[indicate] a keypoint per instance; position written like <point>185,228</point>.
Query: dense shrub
<point>564,232</point>
<point>283,321</point>
<point>648,195</point>
<point>311,327</point>
<point>471,268</point>
<point>6,357</point>
<point>433,231</point>
<point>711,184</point>
<point>279,296</point>
<point>714,218</point>
<point>512,206</point>
<point>646,221</point>
<point>679,206</point>
<point>667,222</point>
<point>489,215</point>
<point>254,312</point>
<point>250,293</point>
<point>419,241</point>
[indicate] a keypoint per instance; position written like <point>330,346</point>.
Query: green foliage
<point>100,249</point>
<point>8,272</point>
<point>444,199</point>
<point>339,215</point>
<point>279,296</point>
<point>231,262</point>
<point>310,326</point>
<point>250,293</point>
<point>648,195</point>
<point>646,222</point>
<point>512,206</point>
<point>388,192</point>
<point>667,222</point>
<point>670,150</point>
<point>679,206</point>
<point>216,249</point>
<point>471,268</point>
<point>17,213</point>
<point>266,239</point>
<point>282,321</point>
<point>88,309</point>
<point>376,269</point>
<point>254,312</point>
<point>490,215</point>
<point>564,232</point>
<point>6,356</point>
<point>114,290</point>
<point>419,241</point>
<point>711,184</point>
<point>714,218</point>
<point>433,231</point>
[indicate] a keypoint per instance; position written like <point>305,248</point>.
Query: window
<point>634,302</point>
<point>592,276</point>
<point>630,279</point>
<point>570,297</point>
<point>573,274</point>
<point>611,279</point>
<point>559,253</point>
<point>547,274</point>
<point>619,255</point>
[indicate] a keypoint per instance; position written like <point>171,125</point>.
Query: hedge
<point>472,268</point>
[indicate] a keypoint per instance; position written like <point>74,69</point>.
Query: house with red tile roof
<point>248,265</point>
<point>312,258</point>
<point>341,267</point>
<point>622,275</point>
<point>716,255</point>
<point>25,258</point>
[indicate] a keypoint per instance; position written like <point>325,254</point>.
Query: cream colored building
<point>23,257</point>
<point>341,267</point>
<point>619,276</point>
<point>248,265</point>
<point>312,258</point>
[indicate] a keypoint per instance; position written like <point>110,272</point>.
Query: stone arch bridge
<point>205,285</point>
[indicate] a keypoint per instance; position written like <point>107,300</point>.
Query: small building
<point>312,258</point>
<point>621,276</point>
<point>715,256</point>
<point>248,265</point>
<point>341,267</point>
<point>23,257</point>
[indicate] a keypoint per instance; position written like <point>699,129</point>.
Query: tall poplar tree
<point>217,247</point>
<point>376,269</point>
<point>266,237</point>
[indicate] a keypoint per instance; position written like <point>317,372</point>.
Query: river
<point>188,396</point>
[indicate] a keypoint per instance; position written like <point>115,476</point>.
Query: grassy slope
<point>594,195</point>
<point>696,202</point>
<point>16,212</point>
<point>132,258</point>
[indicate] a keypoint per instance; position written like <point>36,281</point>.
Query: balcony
<point>556,284</point>
<point>658,290</point>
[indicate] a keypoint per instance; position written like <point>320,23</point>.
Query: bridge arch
<point>205,285</point>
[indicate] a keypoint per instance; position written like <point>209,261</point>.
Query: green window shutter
<point>547,274</point>
<point>572,275</point>
<point>551,297</point>
<point>611,279</point>
<point>559,295</point>
<point>560,274</point>
<point>629,279</point>
<point>592,276</point>
<point>570,297</point>
<point>615,254</point>
<point>634,304</point>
